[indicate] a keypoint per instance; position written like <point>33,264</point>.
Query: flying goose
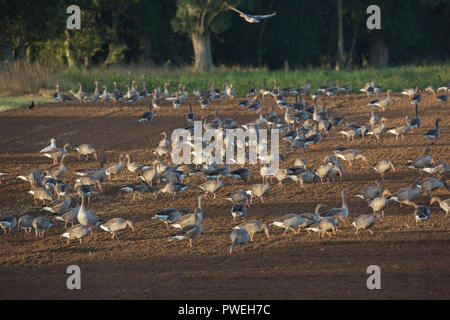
<point>86,150</point>
<point>40,225</point>
<point>421,212</point>
<point>444,204</point>
<point>238,236</point>
<point>116,225</point>
<point>365,222</point>
<point>434,134</point>
<point>76,232</point>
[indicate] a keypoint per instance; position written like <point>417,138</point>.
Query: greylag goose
<point>40,225</point>
<point>379,129</point>
<point>190,115</point>
<point>383,103</point>
<point>138,188</point>
<point>384,166</point>
<point>374,119</point>
<point>351,155</point>
<point>443,98</point>
<point>238,236</point>
<point>8,222</point>
<point>407,193</point>
<point>401,130</point>
<point>251,19</point>
<point>421,212</point>
<point>239,196</point>
<point>115,168</point>
<point>224,171</point>
<point>381,203</point>
<point>416,121</point>
<point>444,204</point>
<point>343,210</point>
<point>25,222</point>
<point>57,153</point>
<point>422,161</point>
<point>100,174</point>
<point>241,173</point>
<point>259,190</point>
<point>70,215</point>
<point>173,188</point>
<point>370,192</point>
<point>41,193</point>
<point>147,116</point>
<point>238,210</point>
<point>189,219</point>
<point>189,232</point>
<point>324,170</point>
<point>150,175</point>
<point>76,232</point>
<point>417,96</point>
<point>34,178</point>
<point>80,95</point>
<point>434,134</point>
<point>51,147</point>
<point>212,186</point>
<point>134,167</point>
<point>431,184</point>
<point>365,222</point>
<point>325,225</point>
<point>289,222</point>
<point>116,225</point>
<point>439,169</point>
<point>58,171</point>
<point>161,151</point>
<point>168,215</point>
<point>254,226</point>
<point>311,218</point>
<point>60,205</point>
<point>86,217</point>
<point>86,150</point>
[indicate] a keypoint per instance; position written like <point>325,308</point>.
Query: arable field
<point>414,261</point>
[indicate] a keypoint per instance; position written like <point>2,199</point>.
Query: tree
<point>198,19</point>
<point>340,37</point>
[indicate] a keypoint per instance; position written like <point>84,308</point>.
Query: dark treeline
<point>304,33</point>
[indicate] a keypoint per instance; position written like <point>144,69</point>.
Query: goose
<point>324,170</point>
<point>256,104</point>
<point>147,116</point>
<point>190,115</point>
<point>100,174</point>
<point>443,98</point>
<point>88,181</point>
<point>80,95</point>
<point>439,169</point>
<point>115,168</point>
<point>254,226</point>
<point>401,130</point>
<point>239,196</point>
<point>410,92</point>
<point>351,132</point>
<point>241,174</point>
<point>311,218</point>
<point>369,193</point>
<point>224,171</point>
<point>366,222</point>
<point>434,134</point>
<point>238,210</point>
<point>168,215</point>
<point>161,151</point>
<point>383,103</point>
<point>189,219</point>
<point>70,215</point>
<point>115,94</point>
<point>34,178</point>
<point>173,188</point>
<point>302,175</point>
<point>431,184</point>
<point>105,96</point>
<point>86,150</point>
<point>57,153</point>
<point>407,193</point>
<point>150,175</point>
<point>144,92</point>
<point>417,97</point>
<point>384,166</point>
<point>116,225</point>
<point>421,212</point>
<point>86,217</point>
<point>289,222</point>
<point>60,205</point>
<point>139,188</point>
<point>444,204</point>
<point>8,222</point>
<point>76,232</point>
<point>94,97</point>
<point>189,232</point>
<point>25,222</point>
<point>351,155</point>
<point>134,167</point>
<point>238,236</point>
<point>422,161</point>
<point>416,121</point>
<point>325,225</point>
<point>60,96</point>
<point>49,148</point>
<point>58,171</point>
<point>374,119</point>
<point>259,190</point>
<point>212,186</point>
<point>379,129</point>
<point>40,225</point>
<point>282,174</point>
<point>343,210</point>
<point>84,190</point>
<point>381,203</point>
<point>41,193</point>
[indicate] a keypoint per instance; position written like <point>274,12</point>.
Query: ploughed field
<point>414,261</point>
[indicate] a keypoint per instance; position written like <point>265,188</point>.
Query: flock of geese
<point>301,126</point>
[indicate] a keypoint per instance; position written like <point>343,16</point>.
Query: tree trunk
<point>379,53</point>
<point>202,51</point>
<point>69,57</point>
<point>340,36</point>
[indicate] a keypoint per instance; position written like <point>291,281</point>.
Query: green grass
<point>14,102</point>
<point>19,79</point>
